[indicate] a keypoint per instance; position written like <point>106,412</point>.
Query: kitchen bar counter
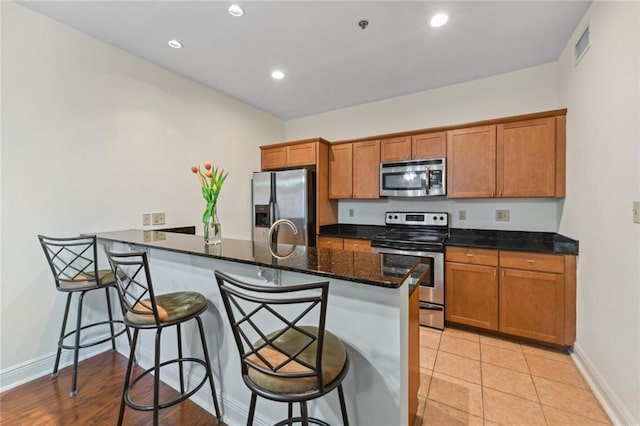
<point>357,267</point>
<point>373,316</point>
<point>347,230</point>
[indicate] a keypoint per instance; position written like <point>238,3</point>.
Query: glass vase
<point>213,229</point>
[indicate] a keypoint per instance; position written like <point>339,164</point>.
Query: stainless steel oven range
<point>411,237</point>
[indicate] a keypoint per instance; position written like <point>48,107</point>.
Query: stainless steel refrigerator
<point>280,197</point>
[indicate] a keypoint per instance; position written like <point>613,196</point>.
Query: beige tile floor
<point>469,378</point>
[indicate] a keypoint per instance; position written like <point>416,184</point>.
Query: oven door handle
<point>431,306</point>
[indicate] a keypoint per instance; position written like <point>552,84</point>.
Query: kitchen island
<point>368,310</point>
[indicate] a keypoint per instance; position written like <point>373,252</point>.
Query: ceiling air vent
<point>582,46</point>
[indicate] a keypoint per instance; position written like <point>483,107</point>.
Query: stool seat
<point>334,358</point>
<point>171,307</point>
<point>87,280</point>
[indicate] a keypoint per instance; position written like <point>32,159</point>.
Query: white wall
<point>603,158</point>
<point>92,137</point>
<point>521,92</point>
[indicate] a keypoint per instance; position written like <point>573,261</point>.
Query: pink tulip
<point>209,174</point>
<point>194,169</point>
<point>207,165</point>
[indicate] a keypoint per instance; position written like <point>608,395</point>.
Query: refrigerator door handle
<point>274,227</point>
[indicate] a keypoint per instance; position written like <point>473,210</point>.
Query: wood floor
<point>46,401</point>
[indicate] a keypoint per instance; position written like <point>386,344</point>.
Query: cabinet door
<point>366,169</point>
<point>429,145</point>
<point>330,242</point>
<point>301,154</point>
<point>526,158</point>
<point>273,158</point>
<point>471,295</point>
<point>395,149</point>
<point>532,305</point>
<point>341,171</point>
<point>471,162</point>
<point>354,244</point>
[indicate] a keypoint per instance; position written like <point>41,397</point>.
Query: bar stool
<point>285,352</point>
<point>147,311</point>
<point>75,270</point>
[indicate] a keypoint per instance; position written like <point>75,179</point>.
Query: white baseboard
<point>615,409</point>
<point>27,371</point>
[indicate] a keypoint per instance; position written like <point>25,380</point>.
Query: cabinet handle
<point>493,194</point>
<point>495,272</point>
<point>499,193</point>
<point>530,260</point>
<point>469,254</point>
<point>502,274</point>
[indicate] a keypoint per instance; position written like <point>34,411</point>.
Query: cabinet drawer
<point>355,244</point>
<point>532,261</point>
<point>472,255</point>
<point>330,242</point>
<point>301,155</point>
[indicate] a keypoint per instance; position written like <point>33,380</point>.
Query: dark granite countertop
<point>541,242</point>
<point>346,230</point>
<point>339,264</point>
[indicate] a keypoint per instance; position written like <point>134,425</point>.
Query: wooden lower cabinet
<point>532,305</point>
<point>529,295</point>
<point>471,295</point>
<point>330,242</point>
<point>351,244</point>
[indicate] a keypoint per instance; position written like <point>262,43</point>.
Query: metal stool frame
<point>73,260</point>
<point>243,303</point>
<point>134,285</point>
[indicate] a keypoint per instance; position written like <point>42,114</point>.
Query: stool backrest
<point>133,281</point>
<point>72,261</point>
<point>262,317</point>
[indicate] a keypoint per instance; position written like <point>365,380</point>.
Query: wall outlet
<point>462,215</point>
<point>147,236</point>
<point>503,215</point>
<point>636,211</point>
<point>157,218</point>
<point>159,235</point>
<point>146,219</point>
<point>352,212</point>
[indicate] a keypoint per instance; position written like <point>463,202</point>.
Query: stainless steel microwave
<point>414,178</point>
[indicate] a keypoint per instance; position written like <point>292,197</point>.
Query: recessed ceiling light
<point>278,75</point>
<point>439,19</point>
<point>175,44</point>
<point>235,10</point>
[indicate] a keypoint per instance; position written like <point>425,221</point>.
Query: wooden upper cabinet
<point>301,154</point>
<point>395,149</point>
<point>366,169</point>
<point>286,156</point>
<point>273,158</point>
<point>341,171</point>
<point>429,145</point>
<point>416,147</point>
<point>526,158</point>
<point>471,162</point>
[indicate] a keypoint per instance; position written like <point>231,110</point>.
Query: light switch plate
<point>462,215</point>
<point>146,219</point>
<point>636,211</point>
<point>157,218</point>
<point>352,212</point>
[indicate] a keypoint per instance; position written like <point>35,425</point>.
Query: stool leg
<point>290,413</point>
<point>113,334</point>
<point>180,369</point>
<point>62,330</point>
<point>209,371</point>
<point>252,409</point>
<point>76,349</point>
<point>156,379</point>
<point>127,377</point>
<point>304,414</point>
<point>343,406</point>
